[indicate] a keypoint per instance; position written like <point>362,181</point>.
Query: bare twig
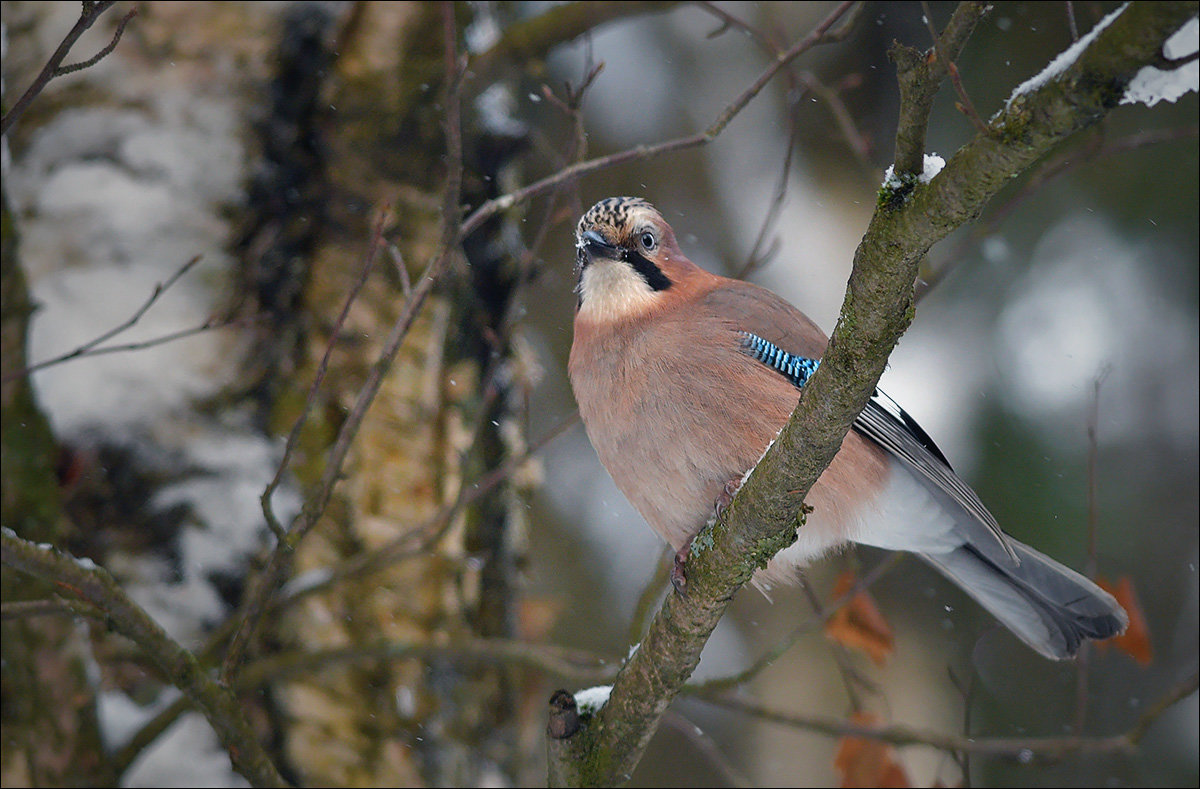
<point>1046,172</point>
<point>27,609</point>
<point>87,17</point>
<point>863,583</point>
<point>965,105</point>
<point>920,77</point>
<point>335,331</point>
<point>1023,749</point>
<point>417,541</point>
<point>1177,693</point>
<point>91,347</point>
<point>567,662</point>
<point>703,743</point>
<point>496,205</point>
<point>851,679</point>
<point>1083,660</point>
<point>62,71</point>
<point>965,688</point>
<point>758,255</point>
<point>855,140</point>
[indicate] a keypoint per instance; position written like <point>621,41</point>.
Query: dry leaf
<point>859,624</point>
<point>1135,641</point>
<point>536,616</point>
<point>864,762</point>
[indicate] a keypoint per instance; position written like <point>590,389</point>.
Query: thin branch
<point>62,71</point>
<point>732,681</point>
<point>91,346</point>
<point>965,105</point>
<point>709,749</point>
<point>87,17</point>
<point>758,255</point>
<point>496,205</point>
<point>652,592</point>
<point>569,663</point>
<point>28,609</point>
<point>335,331</point>
<point>1022,748</point>
<point>1083,660</point>
<point>920,76</point>
<point>417,541</point>
<point>1177,693</point>
<point>532,39</point>
<point>1046,172</point>
<point>851,678</point>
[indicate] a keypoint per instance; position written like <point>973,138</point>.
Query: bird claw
<point>725,498</point>
<point>679,568</point>
<point>678,571</point>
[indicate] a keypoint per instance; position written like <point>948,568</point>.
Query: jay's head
<point>626,258</point>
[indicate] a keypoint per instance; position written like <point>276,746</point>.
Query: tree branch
<point>87,17</point>
<point>494,206</point>
<point>94,585</point>
<point>920,75</point>
<point>878,307</point>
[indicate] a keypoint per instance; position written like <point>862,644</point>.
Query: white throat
<point>610,290</point>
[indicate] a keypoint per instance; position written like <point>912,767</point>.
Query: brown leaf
<point>864,762</point>
<point>536,616</point>
<point>859,624</point>
<point>1135,641</point>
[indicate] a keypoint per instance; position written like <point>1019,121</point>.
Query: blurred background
<point>1070,306</point>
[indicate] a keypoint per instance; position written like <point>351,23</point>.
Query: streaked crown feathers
<point>618,216</point>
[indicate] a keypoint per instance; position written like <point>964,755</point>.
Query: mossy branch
<point>878,308</point>
<point>94,585</point>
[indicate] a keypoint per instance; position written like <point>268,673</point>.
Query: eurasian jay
<point>683,378</point>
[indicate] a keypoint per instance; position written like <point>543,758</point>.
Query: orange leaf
<point>859,624</point>
<point>864,762</point>
<point>536,616</point>
<point>1135,641</point>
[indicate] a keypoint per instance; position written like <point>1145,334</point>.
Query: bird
<point>683,378</point>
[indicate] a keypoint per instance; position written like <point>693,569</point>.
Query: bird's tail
<point>1049,606</point>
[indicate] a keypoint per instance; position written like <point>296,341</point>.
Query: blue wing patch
<point>889,426</point>
<point>795,368</point>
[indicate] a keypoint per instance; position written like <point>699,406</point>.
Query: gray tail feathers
<point>1050,607</point>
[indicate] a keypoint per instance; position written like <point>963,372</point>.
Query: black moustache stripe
<point>648,271</point>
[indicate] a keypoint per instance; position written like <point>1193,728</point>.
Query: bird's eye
<point>648,241</point>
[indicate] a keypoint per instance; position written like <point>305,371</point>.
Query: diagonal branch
<point>494,206</point>
<point>878,308</point>
<point>84,581</point>
<point>87,17</point>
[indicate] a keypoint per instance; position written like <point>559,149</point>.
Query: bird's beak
<point>592,245</point>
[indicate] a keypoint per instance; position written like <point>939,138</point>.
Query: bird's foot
<point>726,497</point>
<point>678,570</point>
<point>678,573</point>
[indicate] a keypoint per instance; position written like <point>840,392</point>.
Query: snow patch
<point>1151,85</point>
<point>590,700</point>
<point>932,166</point>
<point>1065,59</point>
